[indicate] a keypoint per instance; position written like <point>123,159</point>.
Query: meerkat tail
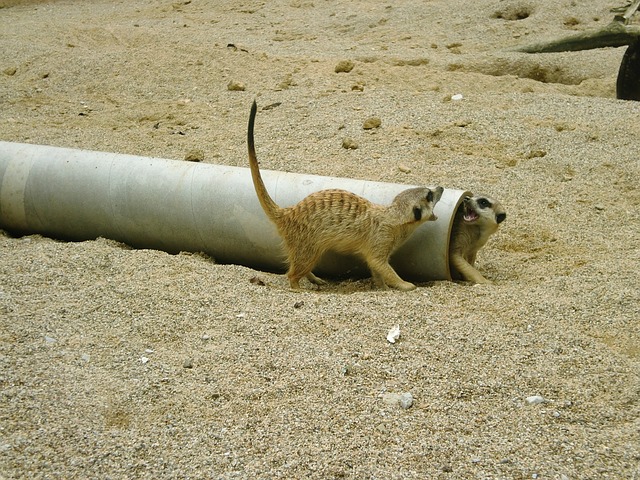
<point>268,205</point>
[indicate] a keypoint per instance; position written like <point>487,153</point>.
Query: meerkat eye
<point>501,217</point>
<point>417,213</point>
<point>484,203</point>
<point>430,196</point>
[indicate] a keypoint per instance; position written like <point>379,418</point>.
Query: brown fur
<point>344,222</point>
<point>476,220</point>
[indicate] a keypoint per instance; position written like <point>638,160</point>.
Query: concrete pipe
<point>182,206</point>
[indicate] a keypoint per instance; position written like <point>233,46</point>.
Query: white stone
<point>534,400</point>
<point>393,334</point>
<point>406,400</point>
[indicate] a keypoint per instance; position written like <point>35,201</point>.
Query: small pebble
<point>271,106</point>
<point>348,369</point>
<point>49,340</point>
<point>288,82</point>
<point>394,334</point>
<point>349,143</point>
<point>143,360</point>
<point>535,154</point>
<point>194,155</point>
<point>188,363</point>
<point>234,86</point>
<point>534,400</point>
<point>344,66</point>
<point>457,96</point>
<point>405,400</point>
<point>404,169</point>
<point>371,123</point>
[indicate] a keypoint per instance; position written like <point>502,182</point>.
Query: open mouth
<point>470,215</point>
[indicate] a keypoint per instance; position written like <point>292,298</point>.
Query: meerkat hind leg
<point>300,265</point>
<point>315,280</point>
<point>378,281</point>
<point>384,274</point>
<point>295,274</point>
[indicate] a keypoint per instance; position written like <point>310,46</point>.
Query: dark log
<point>613,35</point>
<point>628,83</point>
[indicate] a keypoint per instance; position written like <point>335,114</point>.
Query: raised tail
<point>268,205</point>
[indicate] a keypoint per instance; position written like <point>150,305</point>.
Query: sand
<point>120,363</point>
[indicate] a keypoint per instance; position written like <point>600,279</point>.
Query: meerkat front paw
<point>405,286</point>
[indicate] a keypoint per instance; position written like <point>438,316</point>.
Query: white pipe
<point>182,206</point>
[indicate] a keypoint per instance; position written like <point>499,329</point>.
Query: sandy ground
<point>248,381</point>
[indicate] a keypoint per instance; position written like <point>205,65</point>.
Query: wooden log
<point>613,35</point>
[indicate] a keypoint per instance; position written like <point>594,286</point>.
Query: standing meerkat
<point>344,222</point>
<point>476,220</point>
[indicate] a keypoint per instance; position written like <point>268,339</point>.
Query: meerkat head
<point>482,211</point>
<point>415,205</point>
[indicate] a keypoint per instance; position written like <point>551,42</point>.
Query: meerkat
<point>476,220</point>
<point>344,222</point>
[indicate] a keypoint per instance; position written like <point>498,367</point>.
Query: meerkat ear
<point>417,213</point>
<point>436,194</point>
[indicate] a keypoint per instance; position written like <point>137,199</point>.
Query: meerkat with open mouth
<point>344,222</point>
<point>477,218</point>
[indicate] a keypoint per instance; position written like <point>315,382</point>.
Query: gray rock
<point>405,400</point>
<point>534,400</point>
